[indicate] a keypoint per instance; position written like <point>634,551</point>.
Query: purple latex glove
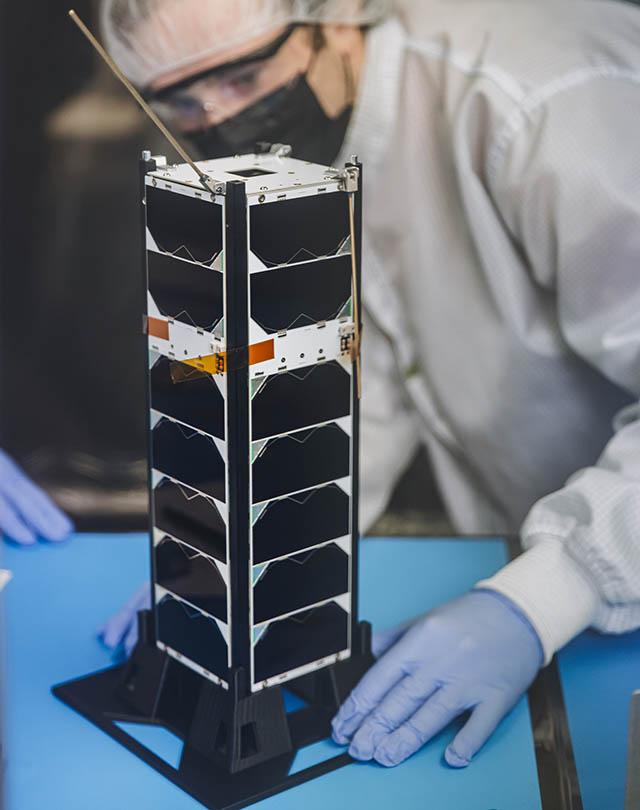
<point>477,653</point>
<point>122,627</point>
<point>26,512</point>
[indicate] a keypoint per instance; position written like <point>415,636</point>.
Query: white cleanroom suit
<point>501,145</point>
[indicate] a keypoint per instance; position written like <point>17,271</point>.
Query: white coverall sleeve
<point>389,434</point>
<point>567,184</point>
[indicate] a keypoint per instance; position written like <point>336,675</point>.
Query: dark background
<point>71,382</point>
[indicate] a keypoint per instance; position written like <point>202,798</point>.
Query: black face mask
<point>291,115</point>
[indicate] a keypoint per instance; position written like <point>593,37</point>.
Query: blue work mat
<point>599,673</point>
<point>57,760</point>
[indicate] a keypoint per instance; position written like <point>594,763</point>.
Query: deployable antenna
<point>204,178</point>
<point>354,279</point>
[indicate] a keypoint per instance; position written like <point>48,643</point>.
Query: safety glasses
<point>222,91</point>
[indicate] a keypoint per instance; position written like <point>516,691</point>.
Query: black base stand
<point>238,748</point>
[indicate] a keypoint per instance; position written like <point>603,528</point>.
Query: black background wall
<point>71,382</point>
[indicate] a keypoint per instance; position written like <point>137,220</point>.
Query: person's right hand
<point>122,627</point>
<point>478,653</point>
<point>26,512</point>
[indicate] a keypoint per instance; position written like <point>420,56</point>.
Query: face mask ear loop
<point>317,44</point>
<point>349,80</point>
<point>319,41</point>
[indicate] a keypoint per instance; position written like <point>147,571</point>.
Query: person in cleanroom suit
<point>502,295</point>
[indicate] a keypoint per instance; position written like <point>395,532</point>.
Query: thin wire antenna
<point>354,277</point>
<point>204,178</point>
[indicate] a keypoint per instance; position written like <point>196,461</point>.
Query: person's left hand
<point>26,512</point>
<point>478,653</point>
<point>122,627</point>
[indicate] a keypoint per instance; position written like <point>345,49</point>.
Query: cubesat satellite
<point>252,285</point>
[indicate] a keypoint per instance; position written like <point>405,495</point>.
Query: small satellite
<point>251,270</point>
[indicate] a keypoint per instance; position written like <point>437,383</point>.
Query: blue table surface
<point>598,674</point>
<point>56,759</point>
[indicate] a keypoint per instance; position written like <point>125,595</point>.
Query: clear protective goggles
<point>221,92</point>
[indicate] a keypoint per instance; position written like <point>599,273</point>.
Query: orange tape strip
<point>158,328</point>
<point>259,352</point>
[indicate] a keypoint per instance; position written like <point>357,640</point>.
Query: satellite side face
<point>291,535</point>
<point>188,452</point>
<point>302,424</point>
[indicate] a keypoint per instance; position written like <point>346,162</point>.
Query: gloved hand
<point>477,653</point>
<point>122,627</point>
<point>26,512</point>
